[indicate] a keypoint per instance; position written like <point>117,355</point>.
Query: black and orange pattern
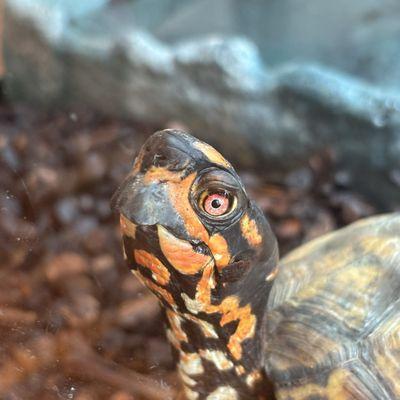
<point>330,329</point>
<point>203,270</point>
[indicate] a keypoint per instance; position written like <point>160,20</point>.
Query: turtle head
<point>194,238</point>
<point>190,232</point>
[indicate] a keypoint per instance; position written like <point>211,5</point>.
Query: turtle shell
<point>333,321</point>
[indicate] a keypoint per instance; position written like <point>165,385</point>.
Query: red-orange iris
<point>216,204</point>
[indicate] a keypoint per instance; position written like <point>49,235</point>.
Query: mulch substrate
<point>74,322</point>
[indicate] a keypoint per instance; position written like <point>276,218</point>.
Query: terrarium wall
<point>280,80</point>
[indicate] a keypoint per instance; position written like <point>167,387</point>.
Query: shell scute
<point>333,325</point>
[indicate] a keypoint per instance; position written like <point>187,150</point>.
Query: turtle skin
<point>333,323</point>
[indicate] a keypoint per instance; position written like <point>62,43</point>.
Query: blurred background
<point>302,96</point>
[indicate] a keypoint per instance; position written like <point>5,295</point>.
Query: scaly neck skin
<point>205,367</point>
<point>220,349</point>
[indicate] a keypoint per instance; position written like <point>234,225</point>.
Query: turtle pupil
<point>216,203</point>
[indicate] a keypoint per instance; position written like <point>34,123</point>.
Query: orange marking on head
<point>213,155</point>
<point>220,250</point>
<point>128,228</point>
<point>163,293</point>
<point>180,253</point>
<point>250,231</point>
<point>179,196</point>
<point>137,164</point>
<point>148,260</point>
<point>159,174</point>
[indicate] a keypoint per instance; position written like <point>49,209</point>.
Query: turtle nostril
<point>160,160</point>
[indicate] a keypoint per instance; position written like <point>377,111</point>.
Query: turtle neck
<point>218,345</point>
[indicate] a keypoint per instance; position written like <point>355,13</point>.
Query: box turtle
<point>324,324</point>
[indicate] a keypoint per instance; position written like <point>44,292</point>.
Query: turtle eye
<point>218,197</point>
<point>217,204</point>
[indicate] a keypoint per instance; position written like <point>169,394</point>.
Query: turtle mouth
<point>164,247</point>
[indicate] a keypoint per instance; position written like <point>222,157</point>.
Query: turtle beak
<point>128,198</point>
<point>147,204</point>
<point>139,203</point>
